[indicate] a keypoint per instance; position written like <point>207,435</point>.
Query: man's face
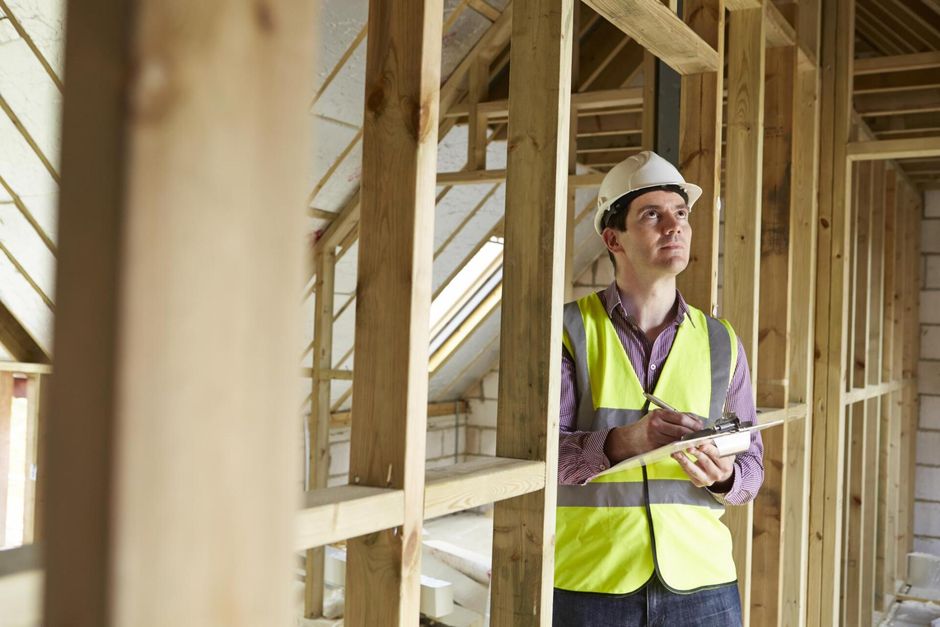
<point>658,235</point>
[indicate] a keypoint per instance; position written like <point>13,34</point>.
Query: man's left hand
<point>709,470</point>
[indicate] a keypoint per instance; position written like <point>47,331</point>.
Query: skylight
<point>463,294</point>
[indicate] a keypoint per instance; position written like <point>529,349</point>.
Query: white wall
<point>927,484</point>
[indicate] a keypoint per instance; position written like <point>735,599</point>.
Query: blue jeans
<point>651,605</point>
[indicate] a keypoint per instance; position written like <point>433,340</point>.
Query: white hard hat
<point>640,171</point>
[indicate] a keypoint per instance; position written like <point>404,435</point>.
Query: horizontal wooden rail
<point>21,582</point>
<point>872,391</point>
<point>583,102</point>
<point>898,63</point>
<point>478,482</point>
<point>915,147</point>
<point>343,512</point>
<point>25,368</point>
<point>342,375</point>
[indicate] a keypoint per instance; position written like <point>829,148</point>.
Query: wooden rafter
<point>659,30</point>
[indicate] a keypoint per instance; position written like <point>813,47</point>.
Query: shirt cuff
<point>737,495</point>
<point>593,456</point>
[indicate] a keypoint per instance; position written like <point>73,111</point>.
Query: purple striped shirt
<point>581,453</point>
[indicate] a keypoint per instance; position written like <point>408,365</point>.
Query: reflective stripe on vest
<point>603,538</point>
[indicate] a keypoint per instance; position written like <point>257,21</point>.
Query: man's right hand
<point>655,429</point>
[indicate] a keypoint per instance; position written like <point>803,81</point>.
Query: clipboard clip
<point>728,423</point>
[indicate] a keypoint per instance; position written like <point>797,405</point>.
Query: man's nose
<point>671,224</point>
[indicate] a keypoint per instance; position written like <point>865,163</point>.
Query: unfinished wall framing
<point>806,202</point>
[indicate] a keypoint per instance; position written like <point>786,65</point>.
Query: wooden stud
<point>776,252</point>
<point>536,199</point>
<point>155,176</point>
<point>872,438</point>
<point>700,115</point>
<point>6,417</point>
<point>888,455</point>
<point>658,29</point>
<point>37,395</point>
<point>803,233</point>
<point>394,276</point>
<point>858,467</point>
<point>824,578</point>
<point>476,137</point>
<point>318,423</point>
<point>741,294</point>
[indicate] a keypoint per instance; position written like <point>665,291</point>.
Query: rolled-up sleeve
<point>748,466</point>
<point>580,453</point>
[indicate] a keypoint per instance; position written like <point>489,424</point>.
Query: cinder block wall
<point>927,484</point>
<point>446,445</point>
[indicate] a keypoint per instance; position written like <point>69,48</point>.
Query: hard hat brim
<point>694,192</point>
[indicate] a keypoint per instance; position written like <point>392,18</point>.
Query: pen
<point>660,402</point>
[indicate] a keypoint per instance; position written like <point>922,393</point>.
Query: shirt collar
<point>611,299</point>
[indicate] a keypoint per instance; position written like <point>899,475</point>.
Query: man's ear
<point>610,240</point>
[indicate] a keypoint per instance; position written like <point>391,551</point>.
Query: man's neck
<point>649,302</point>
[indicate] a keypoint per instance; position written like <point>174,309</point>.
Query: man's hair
<point>616,215</point>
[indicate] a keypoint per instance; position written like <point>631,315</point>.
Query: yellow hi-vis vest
<point>613,532</point>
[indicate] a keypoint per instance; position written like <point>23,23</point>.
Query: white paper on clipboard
<point>727,443</point>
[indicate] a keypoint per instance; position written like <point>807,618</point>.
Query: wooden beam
<point>342,512</point>
<point>17,340</point>
<point>478,482</point>
<point>898,103</point>
<point>6,424</point>
<point>584,102</point>
<point>141,469</point>
<point>857,464</point>
<point>780,33</point>
<point>700,126</point>
<point>803,234</point>
<point>873,434</point>
<point>534,258</point>
<point>318,422</point>
<point>899,63</point>
<point>832,281</point>
<point>741,293</point>
<point>394,274</point>
<point>37,395</point>
<point>658,29</point>
<point>345,226</point>
<point>911,80</point>
<point>776,254</point>
<point>889,462</point>
<point>21,585</point>
<point>911,148</point>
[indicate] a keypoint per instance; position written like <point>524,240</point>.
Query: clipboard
<point>728,443</point>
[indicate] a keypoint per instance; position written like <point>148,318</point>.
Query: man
<point>646,545</point>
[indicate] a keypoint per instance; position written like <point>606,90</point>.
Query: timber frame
<point>818,272</point>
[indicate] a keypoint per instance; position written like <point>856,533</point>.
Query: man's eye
<point>652,213</point>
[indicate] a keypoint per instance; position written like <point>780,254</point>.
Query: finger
<point>685,420</point>
<point>724,463</point>
<point>694,472</point>
<point>716,468</point>
<point>665,432</point>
